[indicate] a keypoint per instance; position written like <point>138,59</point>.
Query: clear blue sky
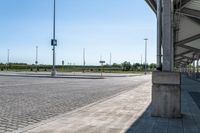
<point>99,26</point>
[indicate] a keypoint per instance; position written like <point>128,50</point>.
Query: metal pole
<point>8,57</point>
<point>145,56</point>
<point>84,59</point>
<point>36,62</point>
<point>110,59</point>
<point>141,63</point>
<point>159,32</point>
<point>53,73</point>
<point>36,58</point>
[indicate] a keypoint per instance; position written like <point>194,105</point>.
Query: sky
<point>100,26</point>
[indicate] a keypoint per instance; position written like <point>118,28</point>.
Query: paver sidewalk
<point>129,112</point>
<point>113,115</point>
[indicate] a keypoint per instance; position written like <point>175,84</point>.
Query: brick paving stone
<point>28,100</point>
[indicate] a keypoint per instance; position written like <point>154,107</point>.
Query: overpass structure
<point>178,49</point>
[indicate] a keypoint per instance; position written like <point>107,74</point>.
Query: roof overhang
<point>187,25</point>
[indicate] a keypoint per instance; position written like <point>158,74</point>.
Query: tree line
<point>115,67</point>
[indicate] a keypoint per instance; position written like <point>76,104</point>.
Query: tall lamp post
<point>54,41</point>
<point>146,39</point>
<point>84,60</point>
<point>36,58</point>
<point>8,58</point>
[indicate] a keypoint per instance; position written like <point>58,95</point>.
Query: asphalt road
<point>28,100</point>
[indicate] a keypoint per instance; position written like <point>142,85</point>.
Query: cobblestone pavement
<point>28,100</point>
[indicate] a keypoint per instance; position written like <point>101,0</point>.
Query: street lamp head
<point>146,39</point>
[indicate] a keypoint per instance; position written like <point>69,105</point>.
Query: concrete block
<point>166,78</point>
<point>166,95</point>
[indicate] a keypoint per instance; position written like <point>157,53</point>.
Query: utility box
<point>166,94</point>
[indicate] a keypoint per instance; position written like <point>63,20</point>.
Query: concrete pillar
<point>166,89</point>
<point>167,32</point>
<point>197,67</point>
<point>159,34</point>
<point>193,66</point>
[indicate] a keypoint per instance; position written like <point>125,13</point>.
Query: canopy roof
<point>187,30</point>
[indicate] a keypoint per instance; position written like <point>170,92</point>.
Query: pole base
<point>53,73</point>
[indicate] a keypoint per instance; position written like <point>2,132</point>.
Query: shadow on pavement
<point>190,109</point>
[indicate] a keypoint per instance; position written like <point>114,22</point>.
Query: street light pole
<point>54,41</point>
<point>84,60</point>
<point>8,58</point>
<point>110,59</point>
<point>141,64</point>
<point>36,58</point>
<point>146,39</point>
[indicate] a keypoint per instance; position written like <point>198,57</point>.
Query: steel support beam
<point>191,13</point>
<point>188,40</point>
<point>152,4</point>
<point>183,3</point>
<point>196,20</point>
<point>190,48</point>
<point>181,54</point>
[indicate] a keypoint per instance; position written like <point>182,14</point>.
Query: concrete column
<point>193,66</point>
<point>198,65</point>
<point>167,32</point>
<point>159,34</point>
<point>166,89</point>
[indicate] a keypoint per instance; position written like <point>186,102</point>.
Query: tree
<point>126,66</point>
<point>152,66</point>
<point>136,66</point>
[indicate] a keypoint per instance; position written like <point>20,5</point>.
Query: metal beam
<point>182,4</point>
<point>185,57</point>
<point>191,13</point>
<point>183,53</point>
<point>180,59</point>
<point>181,62</point>
<point>195,20</point>
<point>152,4</point>
<point>185,2</point>
<point>187,40</point>
<point>189,58</point>
<point>190,48</point>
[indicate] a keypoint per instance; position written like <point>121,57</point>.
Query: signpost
<point>146,39</point>
<point>102,62</point>
<point>63,64</point>
<point>54,41</point>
